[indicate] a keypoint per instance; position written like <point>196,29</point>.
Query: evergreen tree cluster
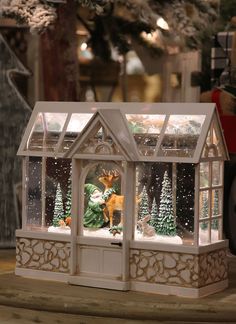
<point>163,222</point>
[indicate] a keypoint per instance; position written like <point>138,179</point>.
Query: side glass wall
<point>48,184</point>
<point>164,203</point>
<point>210,201</point>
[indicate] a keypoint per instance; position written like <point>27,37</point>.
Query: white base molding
<point>179,291</point>
<point>42,275</point>
<point>98,282</point>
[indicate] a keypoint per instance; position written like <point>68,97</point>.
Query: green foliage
<point>154,215</point>
<point>166,221</point>
<point>144,205</point>
<point>204,211</point>
<point>215,221</point>
<point>58,208</point>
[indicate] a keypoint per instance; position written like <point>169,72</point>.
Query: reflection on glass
<point>76,125</point>
<point>216,210</point>
<point>58,195</point>
<point>146,130</point>
<point>49,195</point>
<point>215,226</point>
<point>204,174</point>
<point>103,202</point>
<point>181,135</point>
<point>204,232</point>
<point>46,131</point>
<point>216,173</point>
<point>204,204</point>
<point>34,192</point>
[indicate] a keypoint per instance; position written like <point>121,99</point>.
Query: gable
<point>98,139</point>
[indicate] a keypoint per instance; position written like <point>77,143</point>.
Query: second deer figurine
<point>112,200</point>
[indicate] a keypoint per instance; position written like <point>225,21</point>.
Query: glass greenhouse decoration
<point>124,196</point>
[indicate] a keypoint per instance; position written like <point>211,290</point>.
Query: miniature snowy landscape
<point>59,229</point>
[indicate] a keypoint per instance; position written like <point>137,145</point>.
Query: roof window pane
<point>146,131</point>
<point>46,131</point>
<point>181,135</point>
<point>76,124</point>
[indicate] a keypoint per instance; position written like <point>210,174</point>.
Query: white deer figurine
<point>146,229</point>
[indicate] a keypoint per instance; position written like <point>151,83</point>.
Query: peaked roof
<point>151,132</point>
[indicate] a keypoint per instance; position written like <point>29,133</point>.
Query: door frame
<point>78,241</point>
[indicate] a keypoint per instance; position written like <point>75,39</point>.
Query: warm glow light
<point>162,23</point>
<point>83,46</point>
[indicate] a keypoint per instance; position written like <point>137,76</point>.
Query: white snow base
<point>159,238</point>
<point>60,229</point>
<point>104,232</point>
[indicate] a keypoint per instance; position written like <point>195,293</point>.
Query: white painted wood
<point>179,291</point>
<point>75,206</point>
<point>179,248</point>
<point>196,204</point>
<point>24,192</point>
<point>63,132</point>
<point>43,236</point>
<point>44,275</point>
<point>119,127</point>
<point>90,281</point>
<point>129,212</point>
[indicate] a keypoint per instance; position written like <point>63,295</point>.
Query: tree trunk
<point>59,56</point>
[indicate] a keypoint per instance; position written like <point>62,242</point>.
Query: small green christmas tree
<point>58,214</point>
<point>143,207</point>
<point>154,215</point>
<point>166,221</point>
<point>68,199</point>
<point>204,211</point>
<point>215,222</point>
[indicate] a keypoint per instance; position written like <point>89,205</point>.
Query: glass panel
<point>216,202</point>
<point>49,195</point>
<point>75,126</point>
<point>164,203</point>
<point>103,202</point>
<point>213,144</point>
<point>215,229</point>
<point>204,204</point>
<point>204,174</point>
<point>58,195</point>
<point>146,130</point>
<point>181,135</point>
<point>216,173</point>
<point>204,232</point>
<point>34,193</point>
<point>46,131</point>
<point>35,142</point>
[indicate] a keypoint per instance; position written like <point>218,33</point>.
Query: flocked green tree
<point>204,210</point>
<point>154,215</point>
<point>166,221</point>
<point>215,222</point>
<point>143,206</point>
<point>68,198</point>
<point>58,214</point>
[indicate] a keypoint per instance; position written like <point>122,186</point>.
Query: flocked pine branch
<point>123,20</point>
